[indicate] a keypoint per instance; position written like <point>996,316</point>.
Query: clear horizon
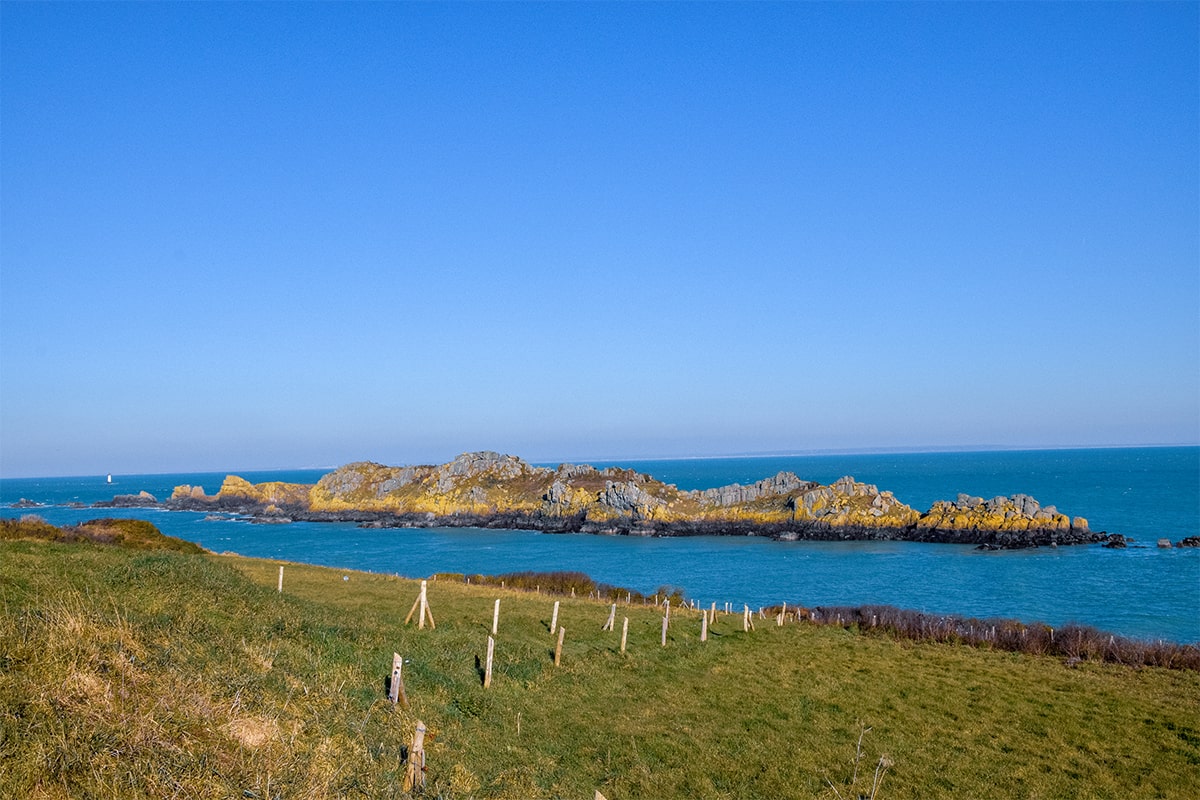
<point>618,459</point>
<point>260,233</point>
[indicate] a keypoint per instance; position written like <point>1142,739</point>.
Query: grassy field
<point>163,674</point>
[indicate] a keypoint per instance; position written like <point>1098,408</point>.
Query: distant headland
<point>487,489</point>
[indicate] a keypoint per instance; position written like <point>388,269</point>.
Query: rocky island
<point>487,489</point>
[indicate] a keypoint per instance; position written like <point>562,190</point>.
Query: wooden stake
<point>624,633</point>
<point>414,775</point>
<point>281,579</point>
<point>496,617</point>
<point>396,687</point>
<point>487,670</point>
<point>704,627</point>
<point>422,602</point>
<point>612,618</point>
<point>424,606</point>
<point>558,648</point>
<point>664,631</point>
<point>554,618</point>
<point>667,606</point>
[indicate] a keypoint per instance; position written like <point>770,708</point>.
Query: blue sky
<point>239,236</point>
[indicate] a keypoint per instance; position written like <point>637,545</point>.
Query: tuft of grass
<point>152,674</point>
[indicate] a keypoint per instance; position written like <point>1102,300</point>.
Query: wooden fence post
<point>281,578</point>
<point>664,630</point>
<point>422,603</point>
<point>624,633</point>
<point>612,619</point>
<point>704,627</point>
<point>414,775</point>
<point>496,617</point>
<point>394,684</point>
<point>554,618</point>
<point>487,670</point>
<point>558,648</point>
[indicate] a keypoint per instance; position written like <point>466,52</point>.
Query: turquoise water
<point>1146,493</point>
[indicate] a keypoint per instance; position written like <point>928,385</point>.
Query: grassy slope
<point>133,674</point>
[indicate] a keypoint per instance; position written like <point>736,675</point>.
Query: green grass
<point>159,674</point>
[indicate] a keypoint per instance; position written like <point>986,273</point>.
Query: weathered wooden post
<point>280,578</point>
<point>487,670</point>
<point>414,775</point>
<point>667,606</point>
<point>612,619</point>
<point>554,618</point>
<point>558,648</point>
<point>704,627</point>
<point>664,630</point>
<point>422,603</point>
<point>396,685</point>
<point>496,617</point>
<point>624,633</point>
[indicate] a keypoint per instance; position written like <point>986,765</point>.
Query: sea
<point>1142,591</point>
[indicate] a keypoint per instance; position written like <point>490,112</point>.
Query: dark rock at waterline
<point>1190,541</point>
<point>1116,541</point>
<point>26,503</point>
<point>142,499</point>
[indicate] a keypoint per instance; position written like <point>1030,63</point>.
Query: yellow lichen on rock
<point>1017,513</point>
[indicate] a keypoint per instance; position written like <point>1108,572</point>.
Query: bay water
<point>1142,591</point>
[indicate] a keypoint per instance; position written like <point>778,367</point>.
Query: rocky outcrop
<point>1019,512</point>
<point>142,499</point>
<point>735,494</point>
<point>848,502</point>
<point>494,490</point>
